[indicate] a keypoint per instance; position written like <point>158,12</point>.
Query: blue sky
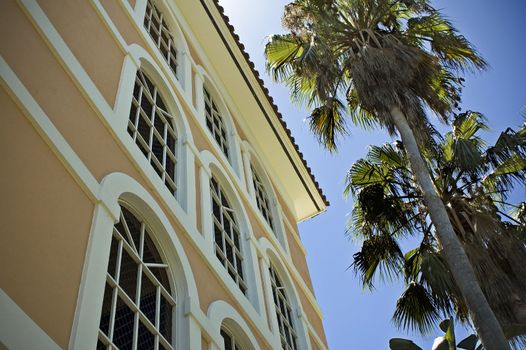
<point>353,318</point>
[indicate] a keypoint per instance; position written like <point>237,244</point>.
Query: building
<point>150,189</point>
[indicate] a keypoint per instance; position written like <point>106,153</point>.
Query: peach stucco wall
<point>45,219</point>
<point>86,35</point>
<point>298,258</point>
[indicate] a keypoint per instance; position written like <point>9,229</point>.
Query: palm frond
<point>327,123</point>
<point>280,52</point>
<point>380,256</point>
<point>415,310</point>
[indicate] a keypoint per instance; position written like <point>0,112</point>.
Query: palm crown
<point>372,54</point>
<point>474,182</point>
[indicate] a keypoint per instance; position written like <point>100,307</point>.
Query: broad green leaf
<point>402,344</point>
<point>444,325</point>
<point>468,343</point>
<point>440,343</point>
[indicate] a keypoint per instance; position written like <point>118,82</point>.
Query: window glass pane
<point>100,345</point>
<point>145,339</point>
<point>227,340</point>
<point>134,228</point>
<point>112,264</point>
<point>124,326</point>
<point>148,298</point>
<point>106,310</point>
<point>165,318</point>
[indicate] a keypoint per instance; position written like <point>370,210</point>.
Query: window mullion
<point>128,234</point>
<point>137,303</point>
<point>165,144</point>
<point>112,313</point>
<point>141,241</point>
<point>139,108</point>
<point>119,257</point>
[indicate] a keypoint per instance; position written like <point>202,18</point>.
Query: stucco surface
<point>46,219</point>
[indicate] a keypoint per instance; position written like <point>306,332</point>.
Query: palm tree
<point>474,183</point>
<point>390,60</point>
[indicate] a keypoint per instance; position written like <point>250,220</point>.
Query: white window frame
<point>168,50</point>
<point>235,343</point>
<point>114,189</point>
<point>233,262</point>
<point>215,123</point>
<point>123,243</point>
<point>284,312</point>
<point>171,16</point>
<point>253,299</point>
<point>222,315</point>
<point>263,201</point>
<point>202,81</point>
<point>252,162</point>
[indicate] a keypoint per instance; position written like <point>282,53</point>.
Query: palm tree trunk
<point>486,324</point>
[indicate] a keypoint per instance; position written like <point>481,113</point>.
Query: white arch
<point>138,58</point>
<point>143,60</point>
<point>119,186</point>
<point>221,313</point>
<point>273,257</point>
<point>114,188</point>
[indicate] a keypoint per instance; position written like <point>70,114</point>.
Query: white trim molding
<point>18,331</point>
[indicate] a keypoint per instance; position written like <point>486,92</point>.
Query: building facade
<point>150,188</point>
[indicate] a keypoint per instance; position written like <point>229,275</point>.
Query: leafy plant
<point>445,342</point>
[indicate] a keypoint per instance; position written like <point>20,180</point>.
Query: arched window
<point>137,311</point>
<point>152,129</point>
<point>155,24</point>
<point>289,338</point>
<point>227,236</point>
<point>262,198</point>
<point>214,123</point>
<point>230,341</point>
